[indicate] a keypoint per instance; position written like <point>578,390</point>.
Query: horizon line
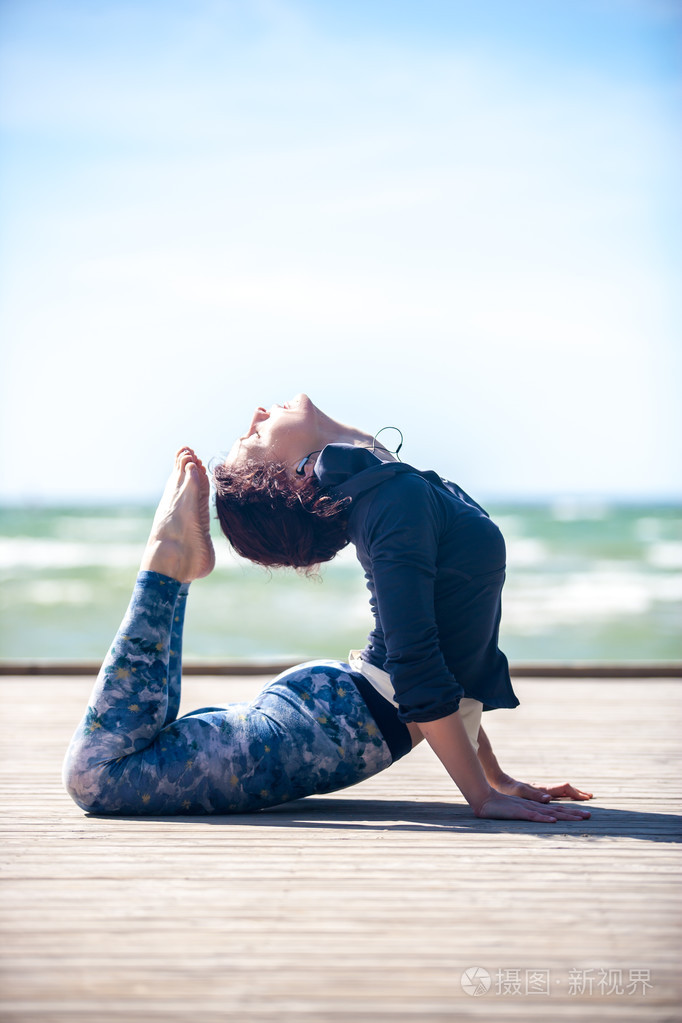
<point>548,497</point>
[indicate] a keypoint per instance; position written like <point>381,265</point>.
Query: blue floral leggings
<point>309,731</point>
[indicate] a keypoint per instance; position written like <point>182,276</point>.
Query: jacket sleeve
<point>400,534</point>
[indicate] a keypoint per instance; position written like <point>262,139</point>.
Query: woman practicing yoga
<point>294,490</point>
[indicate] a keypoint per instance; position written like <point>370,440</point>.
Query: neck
<point>333,432</point>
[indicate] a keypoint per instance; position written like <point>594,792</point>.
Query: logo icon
<point>476,981</point>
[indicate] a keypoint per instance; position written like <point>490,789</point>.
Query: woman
<point>317,728</point>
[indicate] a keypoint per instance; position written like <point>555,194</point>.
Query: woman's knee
<point>84,782</point>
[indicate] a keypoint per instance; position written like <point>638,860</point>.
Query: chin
<point>302,403</point>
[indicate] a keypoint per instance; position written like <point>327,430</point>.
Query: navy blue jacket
<point>434,564</point>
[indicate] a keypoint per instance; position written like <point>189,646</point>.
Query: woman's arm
<point>449,741</point>
<point>399,531</point>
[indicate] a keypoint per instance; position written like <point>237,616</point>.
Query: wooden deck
<point>367,905</point>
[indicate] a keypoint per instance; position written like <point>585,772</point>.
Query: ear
<point>299,479</point>
<point>303,470</point>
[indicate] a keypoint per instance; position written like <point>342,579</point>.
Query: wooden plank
<point>369,904</point>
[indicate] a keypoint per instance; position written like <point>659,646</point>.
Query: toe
<point>183,457</point>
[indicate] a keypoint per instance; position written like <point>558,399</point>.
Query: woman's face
<point>284,433</point>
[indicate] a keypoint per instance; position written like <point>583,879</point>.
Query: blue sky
<point>460,218</point>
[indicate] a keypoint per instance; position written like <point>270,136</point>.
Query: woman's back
<point>435,566</point>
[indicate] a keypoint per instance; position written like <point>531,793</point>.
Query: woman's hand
<point>539,793</point>
<point>508,786</point>
<point>503,807</point>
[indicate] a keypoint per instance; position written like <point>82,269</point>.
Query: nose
<point>259,415</point>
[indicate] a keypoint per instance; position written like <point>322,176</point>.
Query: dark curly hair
<point>275,521</point>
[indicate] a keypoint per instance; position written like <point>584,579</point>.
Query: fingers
<point>564,813</point>
<point>516,808</point>
<point>530,812</point>
<point>540,795</point>
<point>567,791</point>
<point>543,793</point>
<point>543,818</point>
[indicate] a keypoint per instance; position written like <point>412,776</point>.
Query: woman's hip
<point>320,703</point>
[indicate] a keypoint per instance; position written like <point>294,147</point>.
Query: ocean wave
<point>525,551</point>
<point>55,591</point>
<point>665,554</point>
<point>43,553</point>
<point>101,528</point>
<point>569,509</point>
<point>533,605</point>
<point>23,552</point>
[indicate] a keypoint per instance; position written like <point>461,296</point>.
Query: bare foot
<point>179,544</point>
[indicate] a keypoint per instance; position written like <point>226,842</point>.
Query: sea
<point>586,581</point>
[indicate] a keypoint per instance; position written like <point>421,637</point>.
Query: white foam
<point>510,525</point>
<point>525,551</point>
<point>24,552</point>
<point>35,553</point>
<point>572,509</point>
<point>102,529</point>
<point>536,604</point>
<point>665,554</point>
<point>52,591</point>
